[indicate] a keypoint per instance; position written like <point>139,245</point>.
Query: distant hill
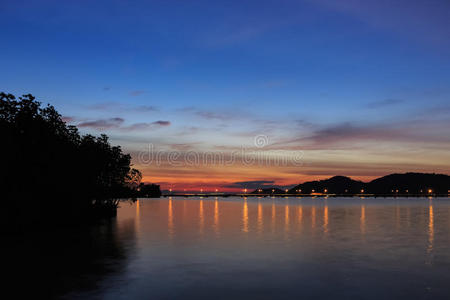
<point>400,184</point>
<point>410,183</point>
<point>333,185</point>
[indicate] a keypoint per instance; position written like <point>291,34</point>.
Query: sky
<point>230,95</point>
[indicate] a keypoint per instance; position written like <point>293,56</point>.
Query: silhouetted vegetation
<point>408,184</point>
<point>334,185</point>
<point>52,173</point>
<point>411,183</point>
<point>149,190</point>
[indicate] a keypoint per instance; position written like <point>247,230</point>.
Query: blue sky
<point>355,85</point>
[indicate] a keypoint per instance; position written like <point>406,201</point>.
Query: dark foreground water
<point>235,248</point>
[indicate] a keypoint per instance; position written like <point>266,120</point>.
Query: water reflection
<point>430,233</point>
<point>137,218</point>
<point>286,218</point>
<point>201,218</point>
<point>363,219</point>
<point>313,217</point>
<point>300,214</point>
<point>273,217</point>
<point>170,226</point>
<point>397,217</point>
<point>216,216</point>
<point>321,248</point>
<point>70,262</point>
<point>325,219</point>
<point>245,216</point>
<point>260,218</point>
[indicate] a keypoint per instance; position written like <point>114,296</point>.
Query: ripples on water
<point>236,248</point>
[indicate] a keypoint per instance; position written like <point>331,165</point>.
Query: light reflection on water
<point>283,248</point>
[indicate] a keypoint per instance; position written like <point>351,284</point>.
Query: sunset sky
<point>241,94</point>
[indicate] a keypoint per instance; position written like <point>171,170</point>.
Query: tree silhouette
<point>51,172</point>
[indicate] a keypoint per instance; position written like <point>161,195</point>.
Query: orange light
<point>286,190</point>
<point>313,191</point>
<point>430,191</point>
<point>245,190</point>
<point>362,191</point>
<point>217,190</point>
<point>325,191</point>
<point>273,190</point>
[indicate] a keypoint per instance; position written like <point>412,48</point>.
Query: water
<point>283,248</point>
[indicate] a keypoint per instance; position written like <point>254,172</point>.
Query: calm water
<point>232,248</point>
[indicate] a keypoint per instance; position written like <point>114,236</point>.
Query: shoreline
<point>312,195</point>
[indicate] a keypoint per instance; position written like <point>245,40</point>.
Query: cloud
<point>384,103</point>
<point>255,184</point>
<point>222,115</point>
<point>351,136</point>
<point>348,132</point>
<point>213,115</point>
<point>161,123</point>
<point>103,124</point>
<point>67,119</point>
<point>115,106</point>
<point>426,21</point>
<point>118,123</point>
<point>143,126</point>
<point>183,146</point>
<point>146,108</point>
<point>136,93</point>
<point>186,109</point>
<point>137,126</point>
<point>250,184</point>
<point>103,105</point>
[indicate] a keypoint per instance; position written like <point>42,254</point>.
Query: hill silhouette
<point>411,183</point>
<point>394,184</point>
<point>334,185</point>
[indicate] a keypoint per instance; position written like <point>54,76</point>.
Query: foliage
<point>50,170</point>
<point>149,190</point>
